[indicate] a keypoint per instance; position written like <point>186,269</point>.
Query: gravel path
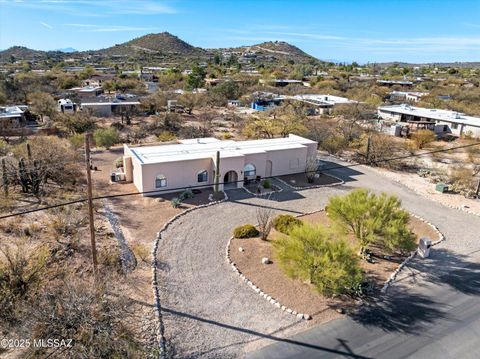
<point>210,313</point>
<point>129,262</point>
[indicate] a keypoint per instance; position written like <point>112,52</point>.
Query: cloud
<point>110,28</point>
<point>97,7</point>
<point>48,26</point>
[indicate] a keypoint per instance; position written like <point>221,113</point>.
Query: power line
<point>159,191</point>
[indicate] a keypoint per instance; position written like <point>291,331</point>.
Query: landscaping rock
<point>307,316</point>
<point>265,260</point>
<point>340,310</point>
<point>299,316</point>
<point>240,249</point>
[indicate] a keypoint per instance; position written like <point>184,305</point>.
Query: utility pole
<point>5,177</point>
<point>90,203</point>
<point>217,173</point>
<point>369,141</point>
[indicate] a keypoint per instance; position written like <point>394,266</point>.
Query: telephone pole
<point>90,203</point>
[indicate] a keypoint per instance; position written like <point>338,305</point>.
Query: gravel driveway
<point>210,313</point>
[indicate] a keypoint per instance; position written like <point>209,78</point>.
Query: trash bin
<point>441,187</point>
<point>424,247</point>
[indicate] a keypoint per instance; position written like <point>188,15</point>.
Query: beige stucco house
<point>192,163</point>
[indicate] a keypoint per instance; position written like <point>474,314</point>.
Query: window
<point>202,176</point>
<point>160,181</point>
<point>249,170</point>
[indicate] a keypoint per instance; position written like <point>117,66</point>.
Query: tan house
<point>192,163</point>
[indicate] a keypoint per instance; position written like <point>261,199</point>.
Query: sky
<point>414,31</point>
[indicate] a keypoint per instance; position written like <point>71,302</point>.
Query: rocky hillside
<point>161,44</point>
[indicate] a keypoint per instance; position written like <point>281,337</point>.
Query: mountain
<point>277,50</point>
<point>163,43</point>
<point>20,53</point>
<point>67,50</point>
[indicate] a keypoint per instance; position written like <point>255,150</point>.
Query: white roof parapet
<point>434,114</point>
<point>205,148</point>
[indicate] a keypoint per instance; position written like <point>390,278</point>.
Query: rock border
<point>313,186</point>
<point>258,290</point>
<point>387,284</point>
<point>266,194</point>
<point>160,329</point>
<point>393,276</point>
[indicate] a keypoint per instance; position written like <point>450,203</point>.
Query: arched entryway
<point>230,180</point>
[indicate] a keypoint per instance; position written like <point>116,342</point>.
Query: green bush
<point>267,184</point>
<point>176,202</point>
<point>373,219</point>
<point>106,137</point>
<point>321,257</point>
<point>77,141</point>
<point>284,223</point>
<point>245,231</point>
<point>186,194</point>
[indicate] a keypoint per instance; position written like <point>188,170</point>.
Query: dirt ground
<point>299,180</point>
<point>140,217</point>
<point>296,294</point>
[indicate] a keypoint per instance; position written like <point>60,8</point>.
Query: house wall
<point>259,160</point>
<point>100,110</point>
<point>181,174</point>
<point>288,161</point>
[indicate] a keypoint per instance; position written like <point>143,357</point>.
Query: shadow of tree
<point>399,312</point>
<point>446,267</point>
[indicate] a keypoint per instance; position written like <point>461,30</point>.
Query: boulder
<point>266,260</point>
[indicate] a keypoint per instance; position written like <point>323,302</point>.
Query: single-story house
<point>193,163</point>
<point>322,104</point>
<point>106,106</point>
<point>12,116</point>
<point>88,91</point>
<point>406,95</point>
<point>439,121</point>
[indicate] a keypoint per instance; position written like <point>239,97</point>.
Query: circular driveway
<point>209,312</point>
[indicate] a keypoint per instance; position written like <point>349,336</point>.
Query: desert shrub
<point>320,257</point>
<point>227,136</point>
<point>176,202</point>
<point>166,136</point>
<point>118,162</point>
<point>245,231</point>
<point>373,219</point>
<point>141,252</point>
<point>20,271</point>
<point>186,194</point>
<point>264,220</point>
<point>110,258</point>
<point>284,223</point>
<point>77,140</point>
<point>421,138</point>
<point>267,184</point>
<point>106,137</point>
<point>90,315</point>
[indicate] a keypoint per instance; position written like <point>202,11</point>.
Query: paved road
<point>210,313</point>
<point>433,311</point>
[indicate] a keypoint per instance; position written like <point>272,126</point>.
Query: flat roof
<point>434,114</point>
<point>110,103</point>
<point>206,148</point>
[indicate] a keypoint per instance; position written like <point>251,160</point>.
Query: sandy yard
<point>296,294</point>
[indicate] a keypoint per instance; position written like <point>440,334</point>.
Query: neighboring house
<point>66,106</point>
<point>12,116</point>
<point>280,82</point>
<point>439,121</point>
<point>105,106</point>
<point>234,103</point>
<point>322,104</point>
<point>395,82</point>
<point>87,91</point>
<point>192,163</point>
<point>406,96</point>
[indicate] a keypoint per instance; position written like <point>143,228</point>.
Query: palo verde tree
<point>314,254</point>
<point>373,219</point>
